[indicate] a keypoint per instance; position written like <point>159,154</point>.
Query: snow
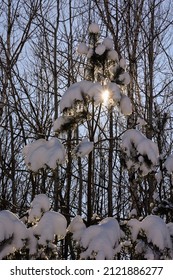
<point>170,228</point>
<point>102,240</point>
<point>169,164</point>
<point>149,254</point>
<point>142,153</point>
<point>50,225</point>
<point>156,196</point>
<point>95,92</point>
<point>158,176</point>
<point>86,89</point>
<point>125,105</point>
<point>39,205</point>
<point>59,122</point>
<point>113,55</point>
<point>155,229</point>
<point>134,226</point>
<point>114,90</point>
<point>149,148</point>
<point>83,148</point>
<point>11,227</point>
<point>74,93</point>
<point>15,235</point>
<point>94,28</point>
<point>122,63</point>
<point>82,48</point>
<point>124,78</point>
<point>108,43</point>
<point>77,227</point>
<point>90,53</point>
<point>99,241</point>
<point>89,90</point>
<point>100,49</point>
<point>141,122</point>
<point>132,213</point>
<point>42,153</point>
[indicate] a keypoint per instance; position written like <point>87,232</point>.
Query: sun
<point>105,96</point>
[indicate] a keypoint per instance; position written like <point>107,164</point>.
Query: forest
<point>86,129</point>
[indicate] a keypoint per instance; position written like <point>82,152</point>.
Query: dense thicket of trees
<point>39,62</point>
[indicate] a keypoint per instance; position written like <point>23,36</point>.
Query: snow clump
<point>169,164</point>
<point>100,49</point>
<point>124,78</point>
<point>94,28</point>
<point>76,92</point>
<point>82,48</point>
<point>60,122</point>
<point>113,55</point>
<point>83,148</point>
<point>99,241</point>
<point>13,229</point>
<point>155,230</point>
<point>108,43</point>
<point>51,224</point>
<point>42,153</point>
<point>77,227</point>
<point>125,105</point>
<point>140,152</point>
<point>122,63</point>
<point>39,205</point>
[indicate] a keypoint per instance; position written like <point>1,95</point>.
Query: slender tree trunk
<point>110,160</point>
<point>13,167</point>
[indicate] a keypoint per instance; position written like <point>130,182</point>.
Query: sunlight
<point>105,96</point>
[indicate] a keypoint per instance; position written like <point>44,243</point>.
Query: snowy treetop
<point>84,91</point>
<point>50,225</point>
<point>13,230</point>
<point>141,152</point>
<point>14,234</point>
<point>156,231</point>
<point>99,241</point>
<point>42,153</point>
<point>94,28</point>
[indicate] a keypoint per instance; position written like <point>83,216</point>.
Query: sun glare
<point>105,96</point>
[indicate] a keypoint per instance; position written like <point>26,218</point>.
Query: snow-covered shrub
<point>140,152</point>
<point>39,205</point>
<point>156,231</point>
<point>77,227</point>
<point>13,233</point>
<point>98,241</point>
<point>32,241</point>
<point>42,153</point>
<point>51,225</point>
<point>151,237</point>
<point>109,73</point>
